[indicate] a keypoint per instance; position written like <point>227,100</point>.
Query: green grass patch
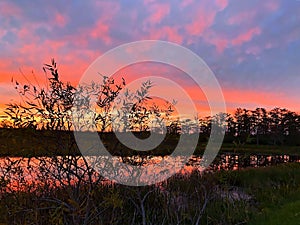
<point>288,214</point>
<point>275,191</point>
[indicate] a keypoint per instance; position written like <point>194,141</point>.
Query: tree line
<point>278,126</point>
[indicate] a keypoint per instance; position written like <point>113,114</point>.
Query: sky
<point>252,46</point>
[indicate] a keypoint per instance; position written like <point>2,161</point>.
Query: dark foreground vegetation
<point>250,196</point>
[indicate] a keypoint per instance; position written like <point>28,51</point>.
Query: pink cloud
<point>158,12</point>
<point>205,16</point>
<point>217,40</point>
<point>60,20</point>
<point>240,59</point>
<point>23,33</point>
<point>254,50</point>
<point>9,9</point>
<point>242,17</point>
<point>101,31</point>
<point>79,41</point>
<point>26,35</point>
<point>251,13</point>
<point>268,45</point>
<point>221,44</point>
<point>272,5</point>
<point>102,27</point>
<point>222,4</point>
<point>169,33</point>
<point>55,45</point>
<point>2,32</point>
<point>34,51</point>
<point>203,20</point>
<point>185,3</point>
<point>247,36</point>
<point>148,1</point>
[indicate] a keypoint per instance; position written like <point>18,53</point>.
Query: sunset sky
<point>252,46</point>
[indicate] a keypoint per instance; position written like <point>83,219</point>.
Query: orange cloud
<point>251,99</point>
<point>6,76</point>
<point>6,71</point>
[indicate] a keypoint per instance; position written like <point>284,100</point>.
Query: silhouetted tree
<point>260,122</point>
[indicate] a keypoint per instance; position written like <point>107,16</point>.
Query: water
<point>22,173</point>
<point>237,161</point>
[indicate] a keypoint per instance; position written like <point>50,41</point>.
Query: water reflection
<point>25,173</point>
<point>238,161</point>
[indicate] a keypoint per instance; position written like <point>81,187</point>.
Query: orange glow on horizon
<point>234,97</point>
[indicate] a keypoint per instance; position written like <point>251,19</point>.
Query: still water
<point>21,173</point>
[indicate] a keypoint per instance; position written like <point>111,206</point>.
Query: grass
<point>288,214</point>
<point>276,191</point>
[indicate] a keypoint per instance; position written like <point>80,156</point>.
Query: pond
<point>17,173</point>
